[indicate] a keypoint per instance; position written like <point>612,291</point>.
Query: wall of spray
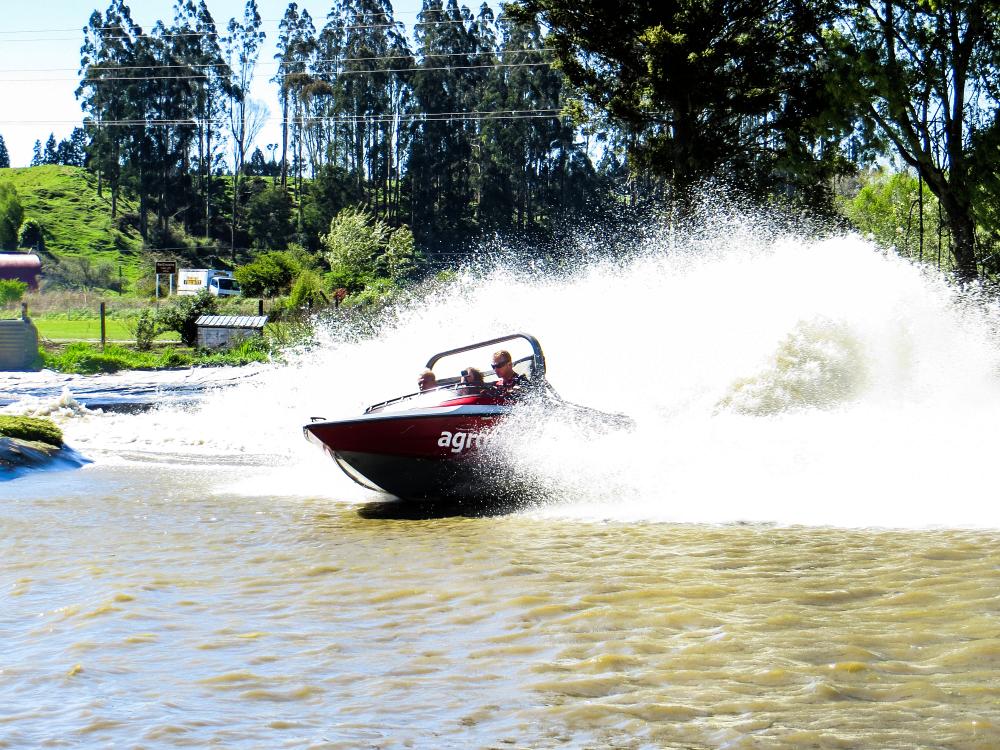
<point>775,377</point>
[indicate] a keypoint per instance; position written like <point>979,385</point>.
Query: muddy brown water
<point>140,610</point>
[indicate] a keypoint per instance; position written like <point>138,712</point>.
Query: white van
<point>218,283</point>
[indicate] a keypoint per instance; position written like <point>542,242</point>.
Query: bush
<point>11,215</point>
<point>269,218</point>
<point>307,294</point>
<point>31,235</point>
<point>88,359</point>
<point>11,290</point>
<point>361,247</point>
<point>82,273</point>
<point>269,275</point>
<point>144,328</point>
<point>181,315</point>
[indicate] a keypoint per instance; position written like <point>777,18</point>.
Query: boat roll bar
<point>537,358</point>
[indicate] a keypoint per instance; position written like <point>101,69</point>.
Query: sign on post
<point>165,268</point>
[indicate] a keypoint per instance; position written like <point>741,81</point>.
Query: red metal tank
<point>20,267</point>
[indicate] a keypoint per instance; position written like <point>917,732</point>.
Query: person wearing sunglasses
<point>507,379</point>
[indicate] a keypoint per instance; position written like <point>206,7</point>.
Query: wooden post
<point>24,311</point>
<point>260,307</point>
<point>103,329</point>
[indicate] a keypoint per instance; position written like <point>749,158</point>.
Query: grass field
<point>60,329</point>
<point>74,219</point>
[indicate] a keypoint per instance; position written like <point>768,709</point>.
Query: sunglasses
<point>466,373</point>
<point>497,365</point>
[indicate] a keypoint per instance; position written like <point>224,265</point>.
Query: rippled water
<point>142,610</point>
<point>797,546</point>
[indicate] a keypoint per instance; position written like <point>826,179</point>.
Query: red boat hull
<point>417,453</point>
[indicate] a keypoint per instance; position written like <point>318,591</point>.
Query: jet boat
<point>435,444</point>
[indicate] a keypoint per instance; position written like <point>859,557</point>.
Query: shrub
<point>144,328</point>
<point>268,275</point>
<point>11,290</point>
<point>308,292</point>
<point>11,215</point>
<point>361,247</point>
<point>31,235</point>
<point>181,315</point>
<point>83,273</point>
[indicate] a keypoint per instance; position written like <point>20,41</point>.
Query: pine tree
<point>4,156</point>
<point>51,155</point>
<point>37,155</point>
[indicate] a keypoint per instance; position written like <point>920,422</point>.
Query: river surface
<point>798,545</point>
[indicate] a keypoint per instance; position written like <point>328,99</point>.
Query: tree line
<point>454,130</point>
<point>473,123</point>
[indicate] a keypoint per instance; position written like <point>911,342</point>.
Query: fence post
<point>103,329</point>
<point>24,311</point>
<point>260,307</point>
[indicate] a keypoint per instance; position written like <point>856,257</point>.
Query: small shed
<point>224,331</point>
<point>20,267</point>
<point>18,343</point>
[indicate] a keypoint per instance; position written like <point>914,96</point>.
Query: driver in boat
<point>508,381</point>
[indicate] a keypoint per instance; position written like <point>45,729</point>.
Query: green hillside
<point>75,221</point>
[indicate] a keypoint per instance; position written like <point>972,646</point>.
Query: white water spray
<point>774,378</point>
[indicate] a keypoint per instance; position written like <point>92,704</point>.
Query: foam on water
<point>774,378</point>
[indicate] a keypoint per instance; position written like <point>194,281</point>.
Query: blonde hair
<point>426,380</point>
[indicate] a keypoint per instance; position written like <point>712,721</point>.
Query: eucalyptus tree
<point>296,42</point>
<point>242,48</point>
<point>165,97</point>
<point>375,56</point>
<point>107,54</point>
<point>927,75</point>
<point>487,76</point>
<point>197,43</point>
<point>442,139</point>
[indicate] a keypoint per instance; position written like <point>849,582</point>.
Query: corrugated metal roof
<point>231,321</point>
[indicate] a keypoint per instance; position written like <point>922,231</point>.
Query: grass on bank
<point>31,428</point>
<point>89,359</point>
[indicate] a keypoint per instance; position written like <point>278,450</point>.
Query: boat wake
<point>773,378</point>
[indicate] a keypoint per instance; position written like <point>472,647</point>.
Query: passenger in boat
<point>508,382</point>
<point>426,381</point>
<point>471,383</point>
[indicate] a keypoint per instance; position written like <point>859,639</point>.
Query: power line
<point>339,73</point>
<point>267,21</point>
<point>274,63</point>
<point>473,116</point>
<point>175,34</point>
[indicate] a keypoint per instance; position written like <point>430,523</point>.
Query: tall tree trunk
<point>284,141</point>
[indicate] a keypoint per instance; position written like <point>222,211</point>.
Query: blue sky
<point>40,56</point>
